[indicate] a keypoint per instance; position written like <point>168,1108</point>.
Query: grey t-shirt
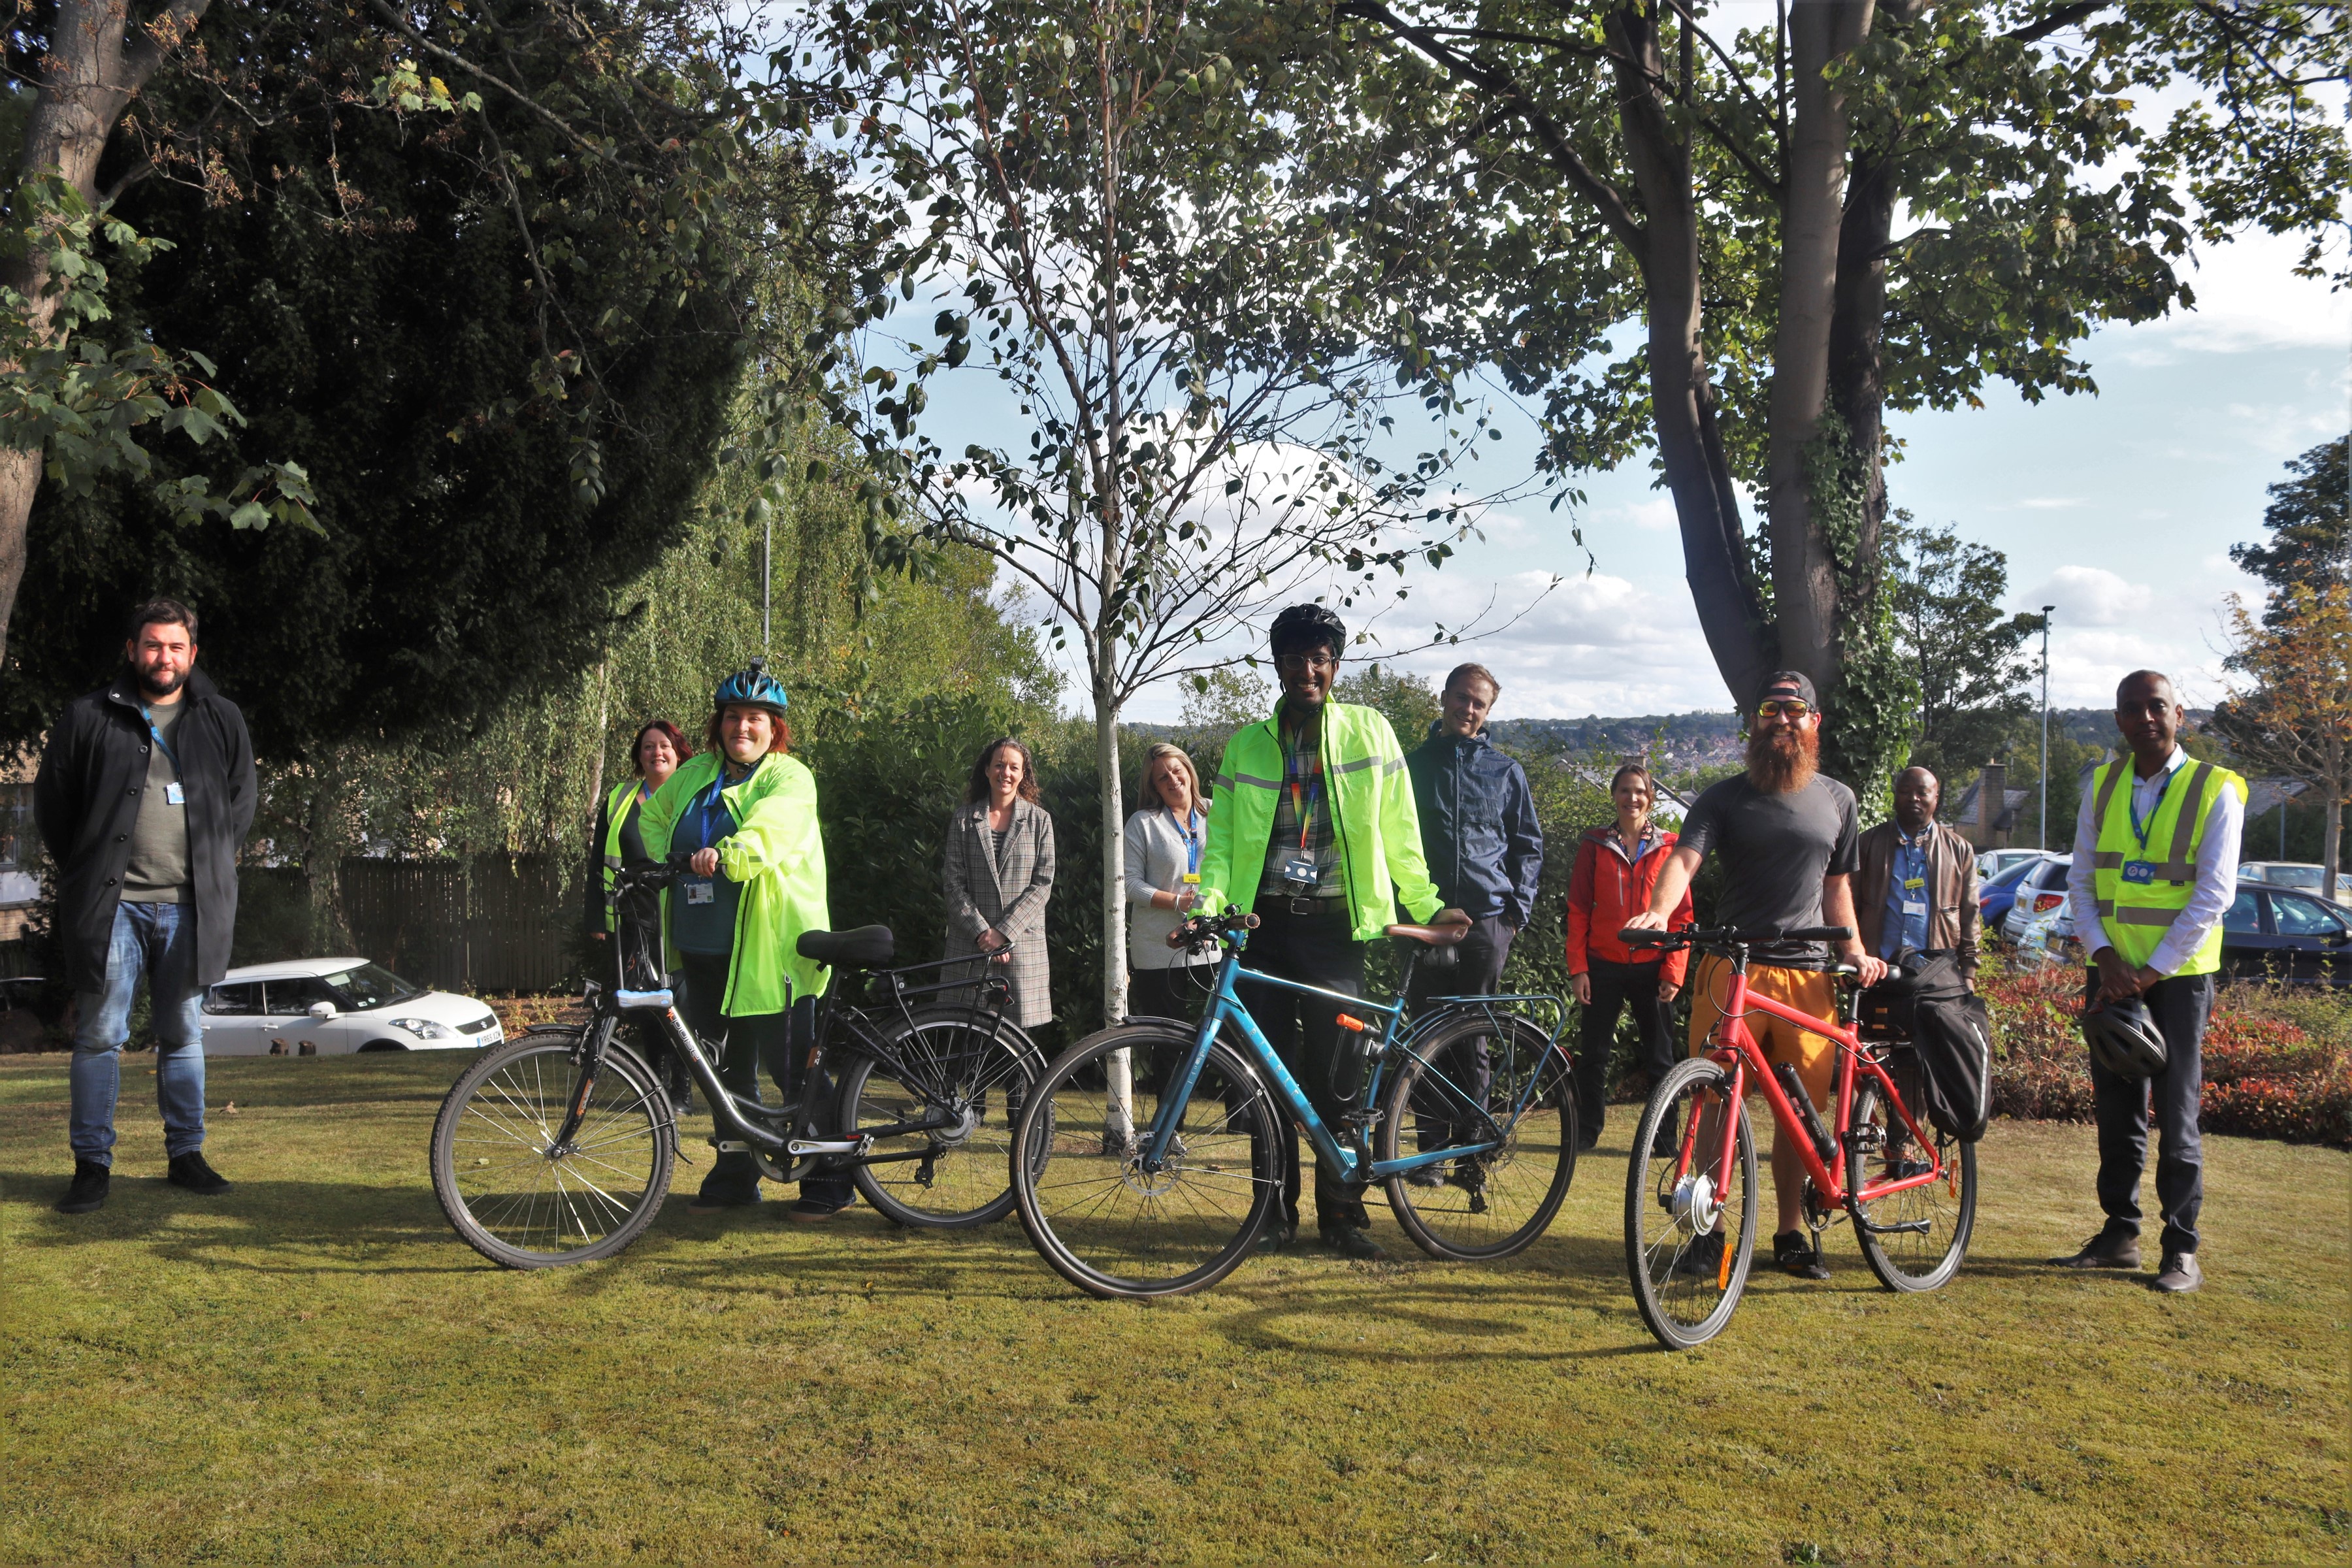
<point>1775,849</point>
<point>158,871</point>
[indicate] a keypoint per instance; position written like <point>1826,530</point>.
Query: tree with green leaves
<point>2310,521</point>
<point>1965,657</point>
<point>1547,172</point>
<point>498,311</point>
<point>1106,228</point>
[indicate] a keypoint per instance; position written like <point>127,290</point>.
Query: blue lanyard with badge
<point>1301,870</point>
<point>1189,829</point>
<point>705,889</point>
<point>1914,881</point>
<point>2143,871</point>
<point>175,792</point>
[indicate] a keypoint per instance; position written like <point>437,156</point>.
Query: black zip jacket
<point>86,800</point>
<point>1478,829</point>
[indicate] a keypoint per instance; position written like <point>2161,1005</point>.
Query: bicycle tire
<point>1910,1263</point>
<point>503,1193</point>
<point>991,1073</point>
<point>1111,1228</point>
<point>1497,1202</point>
<point>1686,1295</point>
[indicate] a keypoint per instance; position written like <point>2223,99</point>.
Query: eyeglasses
<point>1791,707</point>
<point>1300,663</point>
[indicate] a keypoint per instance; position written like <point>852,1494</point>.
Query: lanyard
<point>705,803</point>
<point>1290,772</point>
<point>165,746</point>
<point>1192,836</point>
<point>2139,832</point>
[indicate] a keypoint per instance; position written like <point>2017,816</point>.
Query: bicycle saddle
<point>867,947</point>
<point>1435,936</point>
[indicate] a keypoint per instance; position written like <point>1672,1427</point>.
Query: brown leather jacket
<point>1952,913</point>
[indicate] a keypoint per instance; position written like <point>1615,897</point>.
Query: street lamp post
<point>2044,813</point>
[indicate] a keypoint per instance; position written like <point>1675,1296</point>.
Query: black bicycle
<point>557,1147</point>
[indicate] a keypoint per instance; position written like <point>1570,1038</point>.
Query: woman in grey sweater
<point>1163,842</point>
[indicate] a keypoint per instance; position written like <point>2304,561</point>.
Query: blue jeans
<point>158,943</point>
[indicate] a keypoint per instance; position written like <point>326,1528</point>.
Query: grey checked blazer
<point>1008,899</point>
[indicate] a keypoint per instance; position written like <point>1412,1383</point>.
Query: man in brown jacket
<point>1917,886</point>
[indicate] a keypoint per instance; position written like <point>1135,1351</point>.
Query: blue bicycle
<point>1149,1158</point>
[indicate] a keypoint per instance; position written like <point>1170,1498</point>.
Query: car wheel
<point>382,1046</point>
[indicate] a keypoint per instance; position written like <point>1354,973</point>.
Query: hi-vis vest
<point>2137,907</point>
<point>617,806</point>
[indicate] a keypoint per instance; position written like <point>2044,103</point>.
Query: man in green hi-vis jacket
<point>1316,831</point>
<point>745,810</point>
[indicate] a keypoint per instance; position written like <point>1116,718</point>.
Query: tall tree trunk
<point>1804,571</point>
<point>89,76</point>
<point>1682,392</point>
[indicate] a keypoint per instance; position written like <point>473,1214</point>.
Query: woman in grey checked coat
<point>998,871</point>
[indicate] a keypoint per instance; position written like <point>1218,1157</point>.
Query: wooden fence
<point>501,922</point>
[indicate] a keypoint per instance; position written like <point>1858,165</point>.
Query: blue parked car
<point>1995,897</point>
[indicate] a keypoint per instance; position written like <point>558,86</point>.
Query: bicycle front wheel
<point>1096,1215</point>
<point>1495,1086</point>
<point>516,1197</point>
<point>1913,1239</point>
<point>979,1069</point>
<point>1690,1233</point>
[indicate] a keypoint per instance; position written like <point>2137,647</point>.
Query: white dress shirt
<point>2216,887</point>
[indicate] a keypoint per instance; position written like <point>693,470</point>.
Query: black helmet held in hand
<point>2123,1038</point>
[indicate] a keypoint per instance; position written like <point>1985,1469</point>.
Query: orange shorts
<point>1806,990</point>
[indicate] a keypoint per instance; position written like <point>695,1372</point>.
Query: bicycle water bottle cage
<point>662,999</point>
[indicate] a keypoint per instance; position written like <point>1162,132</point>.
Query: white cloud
<point>2092,596</point>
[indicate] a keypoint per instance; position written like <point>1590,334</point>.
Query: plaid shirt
<point>1303,785</point>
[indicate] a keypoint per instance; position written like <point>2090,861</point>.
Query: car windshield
<point>2293,876</point>
<point>370,986</point>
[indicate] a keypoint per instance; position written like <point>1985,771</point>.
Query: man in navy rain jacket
<point>1485,852</point>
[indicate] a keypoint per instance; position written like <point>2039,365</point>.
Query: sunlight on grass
<point>313,1368</point>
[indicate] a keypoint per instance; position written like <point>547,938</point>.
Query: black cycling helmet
<point>2123,1038</point>
<point>1307,625</point>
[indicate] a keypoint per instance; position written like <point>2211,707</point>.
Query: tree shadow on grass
<point>258,1226</point>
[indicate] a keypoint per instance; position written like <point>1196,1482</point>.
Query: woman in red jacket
<point>1616,867</point>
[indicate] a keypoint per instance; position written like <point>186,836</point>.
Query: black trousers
<point>2180,1006</point>
<point>1617,988</point>
<point>1476,971</point>
<point>1317,949</point>
<point>776,1043</point>
<point>1178,993</point>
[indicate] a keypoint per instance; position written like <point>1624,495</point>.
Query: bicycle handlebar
<point>1730,936</point>
<point>1202,930</point>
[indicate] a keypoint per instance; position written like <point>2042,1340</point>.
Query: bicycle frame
<point>1225,1007</point>
<point>1741,1053</point>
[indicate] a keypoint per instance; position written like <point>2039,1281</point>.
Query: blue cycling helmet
<point>752,686</point>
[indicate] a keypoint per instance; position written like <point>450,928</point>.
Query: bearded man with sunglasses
<point>1789,844</point>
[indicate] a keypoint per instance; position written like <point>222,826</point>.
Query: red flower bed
<point>2266,1075</point>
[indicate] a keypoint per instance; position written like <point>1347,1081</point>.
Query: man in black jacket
<point>1485,852</point>
<point>145,792</point>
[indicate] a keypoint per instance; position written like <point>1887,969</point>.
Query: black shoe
<point>1277,1236</point>
<point>189,1171</point>
<point>1586,1142</point>
<point>1667,1145</point>
<point>2179,1273</point>
<point>718,1199</point>
<point>808,1211</point>
<point>1796,1255</point>
<point>1424,1176</point>
<point>1357,1246</point>
<point>1703,1258</point>
<point>2108,1249</point>
<point>90,1181</point>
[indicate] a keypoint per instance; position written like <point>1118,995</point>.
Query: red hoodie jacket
<point>1606,890</point>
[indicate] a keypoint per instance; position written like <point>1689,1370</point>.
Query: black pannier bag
<point>1951,1033</point>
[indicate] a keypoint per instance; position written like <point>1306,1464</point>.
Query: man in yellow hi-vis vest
<point>2155,867</point>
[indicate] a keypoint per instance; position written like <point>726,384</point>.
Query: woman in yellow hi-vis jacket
<point>618,839</point>
<point>745,811</point>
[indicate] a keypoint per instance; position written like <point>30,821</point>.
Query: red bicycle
<point>1910,1190</point>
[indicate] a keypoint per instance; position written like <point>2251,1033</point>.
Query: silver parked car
<point>328,1007</point>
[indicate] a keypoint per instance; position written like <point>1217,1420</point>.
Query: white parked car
<point>2301,875</point>
<point>2040,919</point>
<point>1991,863</point>
<point>328,1007</point>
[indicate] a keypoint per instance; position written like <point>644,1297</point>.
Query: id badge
<point>1910,909</point>
<point>173,795</point>
<point>1192,879</point>
<point>1299,869</point>
<point>2140,871</point>
<point>700,890</point>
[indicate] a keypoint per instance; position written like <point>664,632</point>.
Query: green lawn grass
<point>313,1368</point>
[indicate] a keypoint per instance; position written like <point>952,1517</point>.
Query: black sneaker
<point>90,1181</point>
<point>1277,1236</point>
<point>718,1199</point>
<point>1797,1255</point>
<point>1357,1246</point>
<point>1703,1258</point>
<point>190,1172</point>
<point>1424,1176</point>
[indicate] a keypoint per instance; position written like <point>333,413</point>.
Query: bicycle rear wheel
<point>943,1178</point>
<point>1103,1222</point>
<point>1452,1082</point>
<point>516,1198</point>
<point>1689,1235</point>
<point>1912,1258</point>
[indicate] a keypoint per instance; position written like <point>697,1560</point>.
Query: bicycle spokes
<point>1689,1232</point>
